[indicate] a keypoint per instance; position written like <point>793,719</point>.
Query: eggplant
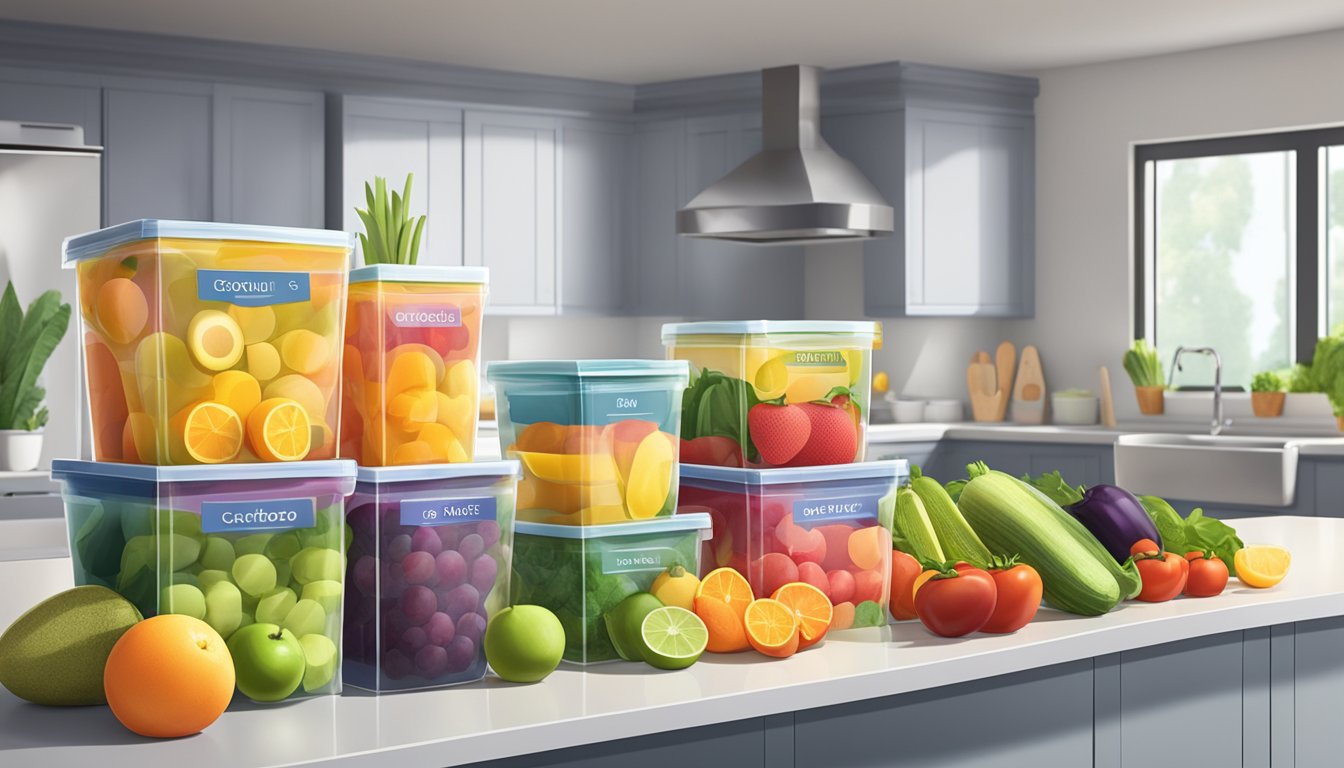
<point>1116,518</point>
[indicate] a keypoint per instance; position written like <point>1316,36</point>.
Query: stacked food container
<point>774,435</point>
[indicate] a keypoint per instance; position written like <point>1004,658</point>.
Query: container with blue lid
<point>230,545</point>
<point>598,439</point>
<point>829,526</point>
<point>580,573</point>
<point>210,343</point>
<point>429,563</point>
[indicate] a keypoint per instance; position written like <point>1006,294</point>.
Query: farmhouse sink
<point>1242,471</point>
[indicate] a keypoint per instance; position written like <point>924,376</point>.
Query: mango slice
<point>304,351</point>
<point>121,310</point>
<point>257,323</point>
<point>651,475</point>
<point>582,468</point>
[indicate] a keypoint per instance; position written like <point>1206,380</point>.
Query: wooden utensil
<point>1005,357</point>
<point>1029,395</point>
<point>1107,401</point>
<point>982,384</point>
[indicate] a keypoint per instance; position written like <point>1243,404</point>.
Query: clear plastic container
<point>823,369</point>
<point>210,343</point>
<point>428,565</point>
<point>230,545</point>
<point>412,344</point>
<point>597,438</point>
<point>827,526</point>
<point>581,572</point>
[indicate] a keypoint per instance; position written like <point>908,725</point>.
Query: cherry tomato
<point>1018,589</point>
<point>904,570</point>
<point>1208,576</point>
<point>1144,547</point>
<point>1163,576</point>
<point>955,603</point>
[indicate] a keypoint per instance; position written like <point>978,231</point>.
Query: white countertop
<point>1311,444</point>
<point>612,701</point>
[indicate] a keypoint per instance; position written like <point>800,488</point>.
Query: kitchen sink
<point>1207,469</point>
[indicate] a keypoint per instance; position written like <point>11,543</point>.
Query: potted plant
<point>27,340</point>
<point>1267,394</point>
<point>1145,370</point>
<point>1326,373</point>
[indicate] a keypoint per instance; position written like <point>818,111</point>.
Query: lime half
<point>673,637</point>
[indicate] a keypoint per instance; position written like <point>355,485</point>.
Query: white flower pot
<point>20,450</point>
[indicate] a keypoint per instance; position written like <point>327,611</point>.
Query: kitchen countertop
<point>1308,444</point>
<point>612,701</point>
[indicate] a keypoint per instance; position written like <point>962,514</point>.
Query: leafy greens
<point>1196,532</point>
<point>716,405</point>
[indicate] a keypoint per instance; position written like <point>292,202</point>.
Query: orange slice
<point>1262,566</point>
<point>772,628</point>
<point>211,432</point>
<point>727,633</point>
<point>811,607</point>
<point>278,430</point>
<point>727,586</point>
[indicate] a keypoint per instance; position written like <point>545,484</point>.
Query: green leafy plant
<point>1327,366</point>
<point>27,340</point>
<point>1268,381</point>
<point>1142,365</point>
<point>391,235</point>
<point>1303,379</point>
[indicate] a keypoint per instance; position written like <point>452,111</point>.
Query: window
<point>1241,248</point>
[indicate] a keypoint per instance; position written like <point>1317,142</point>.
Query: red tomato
<point>1163,577</point>
<point>904,570</point>
<point>1208,576</point>
<point>1143,547</point>
<point>1018,590</point>
<point>957,603</point>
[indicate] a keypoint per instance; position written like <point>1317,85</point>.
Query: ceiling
<point>640,41</point>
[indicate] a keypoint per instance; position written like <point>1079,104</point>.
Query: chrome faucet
<point>1219,423</point>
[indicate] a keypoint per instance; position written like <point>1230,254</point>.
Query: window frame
<point>1310,258</point>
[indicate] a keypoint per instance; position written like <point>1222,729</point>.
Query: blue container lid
<point>762,327</point>
<point>691,521</point>
<point>418,273</point>
<point>421,472</point>
<point>523,370</point>
<point>340,469</point>
<point>891,469</point>
<point>92,244</point>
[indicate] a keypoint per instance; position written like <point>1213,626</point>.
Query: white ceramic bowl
<point>1075,411</point>
<point>907,411</point>
<point>943,411</point>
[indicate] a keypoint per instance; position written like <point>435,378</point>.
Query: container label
<point>816,359</point>
<point>434,316</point>
<point>447,511</point>
<point>252,289</point>
<point>639,559</point>
<point>258,515</point>
<point>602,408</point>
<point>819,510</point>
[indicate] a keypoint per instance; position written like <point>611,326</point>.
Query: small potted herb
<point>1267,394</point>
<point>1145,370</point>
<point>1327,373</point>
<point>27,340</point>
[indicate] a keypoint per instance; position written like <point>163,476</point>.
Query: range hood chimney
<point>796,189</point>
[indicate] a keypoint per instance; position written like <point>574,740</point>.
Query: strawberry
<point>833,439</point>
<point>779,431</point>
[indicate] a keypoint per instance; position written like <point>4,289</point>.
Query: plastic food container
<point>428,565</point>
<point>597,438</point>
<point>827,526</point>
<point>741,373</point>
<point>230,545</point>
<point>412,343</point>
<point>211,343</point>
<point>581,572</point>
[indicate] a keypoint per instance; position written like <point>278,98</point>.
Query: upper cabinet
<point>158,158</point>
<point>268,159</point>
<point>595,158</point>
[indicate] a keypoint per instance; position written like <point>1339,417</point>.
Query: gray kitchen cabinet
<point>594,217</point>
<point>268,158</point>
<point>158,150</point>
<point>369,137</point>
<point>656,246</point>
<point>39,96</point>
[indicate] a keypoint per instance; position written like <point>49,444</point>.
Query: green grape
<point>321,656</point>
<point>254,574</point>
<point>182,599</point>
<point>274,607</point>
<point>305,618</point>
<point>325,593</point>
<point>210,578</point>
<point>313,564</point>
<point>218,554</point>
<point>252,544</point>
<point>224,608</point>
<point>283,546</point>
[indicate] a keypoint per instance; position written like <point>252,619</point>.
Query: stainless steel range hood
<point>796,189</point>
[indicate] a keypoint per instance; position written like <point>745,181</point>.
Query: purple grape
<point>451,568</point>
<point>483,571</point>
<point>432,661</point>
<point>364,611</point>
<point>426,540</point>
<point>489,531</point>
<point>399,547</point>
<point>418,567</point>
<point>460,600</point>
<point>396,622</point>
<point>471,626</point>
<point>460,654</point>
<point>366,574</point>
<point>396,664</point>
<point>419,603</point>
<point>448,535</point>
<point>440,628</point>
<point>390,513</point>
<point>362,518</point>
<point>394,580</point>
<point>471,546</point>
<point>412,640</point>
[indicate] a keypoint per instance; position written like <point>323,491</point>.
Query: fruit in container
<point>304,351</point>
<point>263,361</point>
<point>122,310</point>
<point>215,340</point>
<point>278,429</point>
<point>207,433</point>
<point>256,323</point>
<point>169,676</point>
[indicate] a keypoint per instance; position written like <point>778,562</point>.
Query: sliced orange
<point>772,628</point>
<point>727,633</point>
<point>811,607</point>
<point>278,430</point>
<point>1262,566</point>
<point>727,586</point>
<point>211,432</point>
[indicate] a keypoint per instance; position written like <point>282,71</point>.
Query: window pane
<point>1334,237</point>
<point>1223,263</point>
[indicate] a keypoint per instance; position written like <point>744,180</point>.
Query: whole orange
<point>169,676</point>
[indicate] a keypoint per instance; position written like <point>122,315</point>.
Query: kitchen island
<point>1252,678</point>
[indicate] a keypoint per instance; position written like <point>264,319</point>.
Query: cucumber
<point>913,531</point>
<point>955,536</point>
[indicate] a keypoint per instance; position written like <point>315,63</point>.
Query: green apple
<point>267,661</point>
<point>524,643</point>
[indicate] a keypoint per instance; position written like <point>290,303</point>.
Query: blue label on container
<point>252,289</point>
<point>447,511</point>
<point>602,408</point>
<point>595,408</point>
<point>828,508</point>
<point>435,316</point>
<point>640,559</point>
<point>259,515</point>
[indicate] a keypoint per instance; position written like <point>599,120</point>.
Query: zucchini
<point>913,532</point>
<point>955,536</point>
<point>1013,520</point>
<point>1126,574</point>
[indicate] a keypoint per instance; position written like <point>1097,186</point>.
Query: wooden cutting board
<point>1029,393</point>
<point>1005,357</point>
<point>982,384</point>
<point>1107,401</point>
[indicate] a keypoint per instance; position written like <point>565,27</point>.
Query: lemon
<point>881,383</point>
<point>676,586</point>
<point>1262,566</point>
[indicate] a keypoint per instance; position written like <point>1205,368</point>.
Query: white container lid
<point>892,469</point>
<point>419,273</point>
<point>274,470</point>
<point>420,472</point>
<point>691,521</point>
<point>756,327</point>
<point>93,244</point>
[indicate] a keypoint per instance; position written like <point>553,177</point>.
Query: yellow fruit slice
<point>443,443</point>
<point>572,469</point>
<point>814,386</point>
<point>163,355</point>
<point>651,475</point>
<point>263,361</point>
<point>423,349</point>
<point>301,390</point>
<point>771,379</point>
<point>1262,566</point>
<point>410,370</point>
<point>414,452</point>
<point>461,380</point>
<point>456,413</point>
<point>257,323</point>
<point>279,430</point>
<point>304,351</point>
<point>210,432</point>
<point>215,340</point>
<point>238,390</point>
<point>415,408</point>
